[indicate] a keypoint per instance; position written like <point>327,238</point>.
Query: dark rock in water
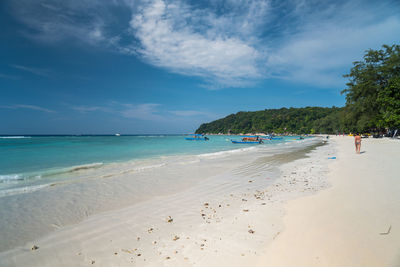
<point>35,247</point>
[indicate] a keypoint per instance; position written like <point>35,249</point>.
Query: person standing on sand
<point>357,142</point>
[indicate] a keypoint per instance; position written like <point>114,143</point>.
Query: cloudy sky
<point>165,66</point>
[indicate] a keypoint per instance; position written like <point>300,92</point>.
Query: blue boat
<point>197,137</point>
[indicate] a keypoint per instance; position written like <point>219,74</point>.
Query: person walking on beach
<point>357,142</point>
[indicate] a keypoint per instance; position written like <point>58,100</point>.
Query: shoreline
<point>207,220</point>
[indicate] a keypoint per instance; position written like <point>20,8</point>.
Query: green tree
<point>389,100</point>
<point>372,98</point>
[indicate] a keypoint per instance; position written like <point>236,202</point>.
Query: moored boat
<point>247,142</point>
<point>197,137</point>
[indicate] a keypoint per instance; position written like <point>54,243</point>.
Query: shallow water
<point>27,157</point>
<point>35,207</point>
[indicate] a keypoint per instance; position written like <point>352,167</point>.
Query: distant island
<point>372,105</point>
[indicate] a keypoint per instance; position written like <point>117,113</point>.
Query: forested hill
<point>372,104</point>
<point>291,120</point>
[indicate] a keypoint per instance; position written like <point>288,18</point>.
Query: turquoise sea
<point>25,157</point>
<point>47,182</point>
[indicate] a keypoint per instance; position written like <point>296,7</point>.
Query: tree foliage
<point>291,120</point>
<point>372,93</point>
<point>372,103</point>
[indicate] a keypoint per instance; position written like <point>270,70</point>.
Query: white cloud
<point>147,111</point>
<point>228,43</point>
<point>36,71</point>
<point>31,107</point>
<point>6,76</point>
<point>322,49</point>
<point>86,109</point>
<point>52,21</point>
<point>169,40</point>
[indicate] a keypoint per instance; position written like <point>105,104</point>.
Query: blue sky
<point>166,66</point>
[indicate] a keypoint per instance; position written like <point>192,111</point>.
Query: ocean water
<point>30,158</point>
<point>48,182</point>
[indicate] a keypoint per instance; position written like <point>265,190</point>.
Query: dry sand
<point>356,222</point>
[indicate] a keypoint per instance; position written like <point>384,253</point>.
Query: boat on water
<point>247,142</point>
<point>117,134</point>
<point>248,139</point>
<point>197,137</point>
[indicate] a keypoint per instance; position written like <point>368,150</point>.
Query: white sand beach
<point>319,212</point>
<point>356,222</point>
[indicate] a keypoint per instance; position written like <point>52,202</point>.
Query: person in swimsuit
<point>357,142</point>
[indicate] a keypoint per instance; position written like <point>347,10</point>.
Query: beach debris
<point>219,206</point>
<point>276,235</point>
<point>263,203</point>
<point>245,210</point>
<point>176,238</point>
<point>387,232</point>
<point>206,204</point>
<point>167,258</point>
<point>35,247</point>
<point>93,262</point>
<point>139,255</point>
<point>251,231</point>
<point>154,242</point>
<point>244,199</point>
<point>125,250</point>
<point>115,253</point>
<point>250,181</point>
<point>169,219</point>
<point>138,238</point>
<point>150,230</point>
